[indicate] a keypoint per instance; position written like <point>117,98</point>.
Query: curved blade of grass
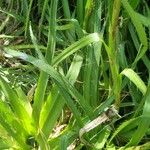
<point>94,37</point>
<point>137,45</point>
<point>12,14</point>
<point>145,20</point>
<point>102,139</point>
<point>144,123</point>
<point>134,77</point>
<point>139,28</point>
<point>64,86</point>
<point>107,103</point>
<point>123,126</point>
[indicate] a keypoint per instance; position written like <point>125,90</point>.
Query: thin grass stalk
<point>66,8</point>
<point>80,11</point>
<point>69,33</point>
<point>28,17</point>
<point>42,16</point>
<point>113,51</point>
<point>43,79</point>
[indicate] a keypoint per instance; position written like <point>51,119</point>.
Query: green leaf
<point>144,123</point>
<point>43,78</point>
<point>64,86</point>
<point>4,144</point>
<point>34,41</point>
<point>25,102</point>
<point>145,20</point>
<point>11,125</point>
<point>123,126</point>
<point>51,111</point>
<point>14,15</point>
<point>91,38</point>
<point>102,139</point>
<point>55,102</point>
<point>17,105</point>
<point>134,77</point>
<point>139,28</point>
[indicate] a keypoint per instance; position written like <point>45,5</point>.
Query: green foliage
<point>64,63</point>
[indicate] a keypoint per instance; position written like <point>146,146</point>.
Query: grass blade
<point>17,105</point>
<point>94,37</point>
<point>64,86</point>
<point>11,125</point>
<point>43,79</point>
<point>139,28</point>
<point>134,77</point>
<point>144,123</point>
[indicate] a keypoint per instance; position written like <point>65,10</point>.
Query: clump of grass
<point>74,74</point>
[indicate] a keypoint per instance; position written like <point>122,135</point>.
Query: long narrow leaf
<point>144,123</point>
<point>62,83</point>
<point>139,28</point>
<point>94,37</point>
